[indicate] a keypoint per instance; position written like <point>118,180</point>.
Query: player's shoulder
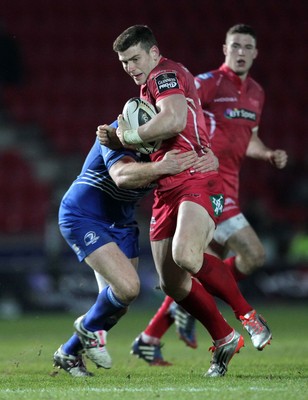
<point>206,81</point>
<point>164,70</point>
<point>169,75</point>
<point>208,75</point>
<point>255,85</point>
<point>167,65</point>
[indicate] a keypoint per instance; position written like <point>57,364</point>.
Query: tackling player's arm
<point>128,173</point>
<point>257,149</point>
<point>107,136</point>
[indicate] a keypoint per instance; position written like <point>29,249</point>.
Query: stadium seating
<point>24,201</point>
<point>74,80</point>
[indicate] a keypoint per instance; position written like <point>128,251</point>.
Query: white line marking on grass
<point>143,390</point>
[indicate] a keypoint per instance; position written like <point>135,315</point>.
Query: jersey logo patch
<point>240,113</point>
<point>217,204</point>
<point>90,238</point>
<point>167,81</point>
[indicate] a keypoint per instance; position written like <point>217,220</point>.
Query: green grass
<point>278,372</point>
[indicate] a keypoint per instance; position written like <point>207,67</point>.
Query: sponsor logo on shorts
<point>229,204</point>
<point>152,222</point>
<point>229,201</point>
<point>217,204</point>
<point>90,238</point>
<point>76,248</point>
<point>240,113</point>
<point>166,81</point>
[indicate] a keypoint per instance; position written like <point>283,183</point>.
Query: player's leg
<point>236,234</point>
<point>109,262</point>
<point>194,298</point>
<point>193,229</point>
<point>185,325</point>
<point>69,354</point>
<point>101,281</point>
<point>218,280</point>
<point>248,248</point>
<point>147,345</point>
<point>91,329</point>
<point>160,322</point>
<point>113,265</point>
<point>114,256</point>
<point>183,252</point>
<point>254,323</point>
<point>111,303</point>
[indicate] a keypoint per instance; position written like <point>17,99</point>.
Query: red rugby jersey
<point>232,108</point>
<point>166,79</point>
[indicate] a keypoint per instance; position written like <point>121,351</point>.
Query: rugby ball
<point>137,112</point>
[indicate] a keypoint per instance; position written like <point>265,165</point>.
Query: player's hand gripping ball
<point>137,112</point>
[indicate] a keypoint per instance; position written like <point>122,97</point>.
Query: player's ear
<point>255,54</point>
<point>154,51</point>
<point>224,49</point>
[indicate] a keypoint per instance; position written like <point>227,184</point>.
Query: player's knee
<point>176,292</point>
<point>255,260</point>
<point>130,291</point>
<point>134,291</point>
<point>187,259</point>
<point>165,288</point>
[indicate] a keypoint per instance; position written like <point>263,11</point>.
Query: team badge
<point>217,204</point>
<point>90,238</point>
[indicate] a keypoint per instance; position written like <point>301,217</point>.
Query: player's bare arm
<point>257,149</point>
<point>170,121</point>
<point>130,174</point>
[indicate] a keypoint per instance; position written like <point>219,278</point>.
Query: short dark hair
<point>134,35</point>
<point>242,28</point>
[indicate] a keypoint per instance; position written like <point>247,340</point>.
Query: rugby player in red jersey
<point>186,207</point>
<point>232,103</point>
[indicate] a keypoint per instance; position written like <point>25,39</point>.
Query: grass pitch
<point>280,371</point>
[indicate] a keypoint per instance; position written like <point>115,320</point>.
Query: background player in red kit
<point>186,207</point>
<point>232,103</point>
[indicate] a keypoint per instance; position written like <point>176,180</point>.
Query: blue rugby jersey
<point>95,195</point>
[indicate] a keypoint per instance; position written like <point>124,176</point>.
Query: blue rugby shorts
<point>85,235</point>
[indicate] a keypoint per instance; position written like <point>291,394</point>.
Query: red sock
<point>218,280</point>
<point>237,275</point>
<point>161,321</point>
<point>201,305</point>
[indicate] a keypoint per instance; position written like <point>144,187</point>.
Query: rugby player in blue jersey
<point>97,219</point>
